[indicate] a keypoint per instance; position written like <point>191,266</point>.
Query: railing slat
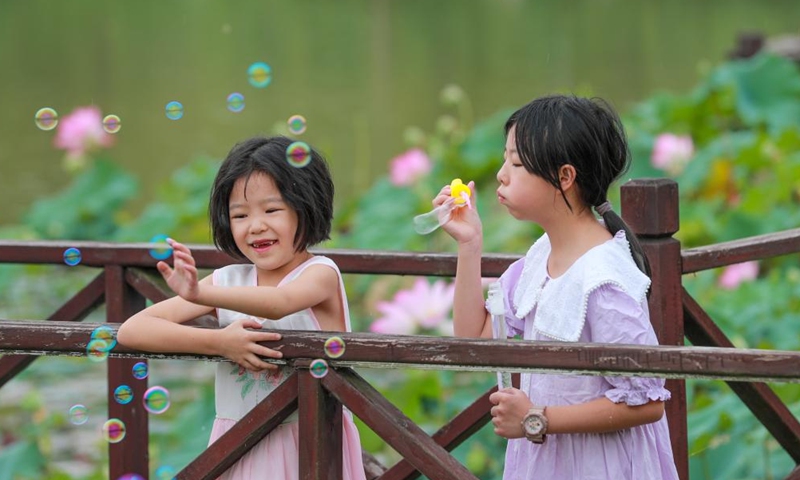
<point>251,429</point>
<point>142,283</point>
<point>759,398</point>
<point>399,431</point>
<point>743,250</point>
<point>320,428</point>
<point>131,455</point>
<point>451,435</point>
<point>75,309</point>
<point>795,474</point>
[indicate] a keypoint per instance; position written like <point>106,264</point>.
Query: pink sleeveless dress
<point>276,457</point>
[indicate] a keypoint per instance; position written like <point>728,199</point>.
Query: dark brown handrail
<point>758,247</point>
<point>448,353</point>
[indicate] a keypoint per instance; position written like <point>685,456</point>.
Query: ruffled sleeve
<point>613,316</point>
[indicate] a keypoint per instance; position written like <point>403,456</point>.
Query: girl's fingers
<point>164,269</point>
<point>267,352</point>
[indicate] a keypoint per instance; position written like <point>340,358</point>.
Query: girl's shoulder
<point>315,260</point>
<point>560,304</point>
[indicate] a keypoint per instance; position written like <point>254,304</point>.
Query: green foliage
<point>86,209</point>
<point>744,121</point>
<point>180,208</point>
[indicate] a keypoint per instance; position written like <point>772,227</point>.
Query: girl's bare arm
<point>159,328</point>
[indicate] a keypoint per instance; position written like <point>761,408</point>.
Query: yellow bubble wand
<point>459,197</point>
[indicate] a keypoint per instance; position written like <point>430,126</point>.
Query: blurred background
<point>400,97</point>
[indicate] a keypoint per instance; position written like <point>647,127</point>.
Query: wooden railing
<point>649,206</point>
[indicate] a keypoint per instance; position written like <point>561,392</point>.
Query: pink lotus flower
<point>425,305</point>
<point>406,168</point>
<point>82,131</point>
<point>672,152</point>
<point>734,275</point>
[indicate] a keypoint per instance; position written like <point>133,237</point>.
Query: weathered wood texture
<point>237,441</point>
<point>447,353</point>
<point>651,208</point>
<point>75,309</point>
<point>759,397</point>
<point>131,455</point>
<point>320,426</point>
<point>743,250</point>
<point>795,474</point>
<point>98,254</point>
<point>469,421</point>
<point>399,431</point>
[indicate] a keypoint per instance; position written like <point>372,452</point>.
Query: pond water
<point>360,71</point>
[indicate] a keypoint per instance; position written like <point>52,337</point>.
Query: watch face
<point>533,425</point>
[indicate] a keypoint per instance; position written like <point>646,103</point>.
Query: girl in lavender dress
<point>584,280</point>
<point>266,212</point>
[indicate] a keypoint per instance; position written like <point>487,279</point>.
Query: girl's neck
<point>571,236</point>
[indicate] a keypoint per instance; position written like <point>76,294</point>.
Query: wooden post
<point>320,429</point>
<point>650,208</point>
<point>131,455</point>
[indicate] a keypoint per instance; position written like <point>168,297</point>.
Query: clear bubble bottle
<point>459,197</point>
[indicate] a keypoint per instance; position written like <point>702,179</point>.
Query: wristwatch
<point>534,424</point>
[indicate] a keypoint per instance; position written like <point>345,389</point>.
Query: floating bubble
<point>46,118</point>
<point>72,256</point>
<point>97,350</point>
<point>123,394</point>
<point>297,124</point>
<point>114,430</point>
<point>140,371</point>
<point>319,368</point>
<point>162,251</point>
<point>298,154</point>
<point>111,124</point>
<point>106,333</point>
<point>78,414</point>
<point>174,110</point>
<point>131,476</point>
<point>156,400</point>
<point>236,102</point>
<point>165,473</point>
<point>334,347</point>
<point>259,74</point>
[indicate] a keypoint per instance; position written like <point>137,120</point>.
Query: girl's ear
<point>566,176</point>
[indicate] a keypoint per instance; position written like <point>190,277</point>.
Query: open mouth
<point>263,243</point>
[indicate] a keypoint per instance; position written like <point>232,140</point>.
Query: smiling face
<point>264,226</point>
<point>526,196</point>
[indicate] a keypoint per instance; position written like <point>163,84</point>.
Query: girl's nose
<point>257,225</point>
<point>501,174</point>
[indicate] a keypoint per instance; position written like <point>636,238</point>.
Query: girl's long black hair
<point>558,130</point>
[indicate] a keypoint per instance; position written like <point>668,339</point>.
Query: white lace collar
<point>561,310</point>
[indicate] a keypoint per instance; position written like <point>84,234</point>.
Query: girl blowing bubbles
<point>582,281</point>
<point>267,213</point>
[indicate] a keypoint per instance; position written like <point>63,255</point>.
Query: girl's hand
<point>240,345</point>
<point>510,407</point>
<point>465,224</point>
<point>182,279</point>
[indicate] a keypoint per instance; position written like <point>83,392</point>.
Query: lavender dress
<point>601,298</point>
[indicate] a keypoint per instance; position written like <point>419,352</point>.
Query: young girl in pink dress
<point>584,280</point>
<point>266,211</point>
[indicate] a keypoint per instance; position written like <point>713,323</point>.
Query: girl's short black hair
<point>307,190</point>
<point>558,130</point>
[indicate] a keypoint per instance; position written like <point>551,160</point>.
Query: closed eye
<point>238,216</point>
<point>273,210</point>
